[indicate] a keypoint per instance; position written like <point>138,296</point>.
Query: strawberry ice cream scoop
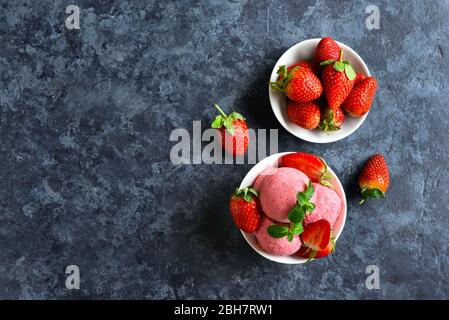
<point>277,189</point>
<point>276,246</point>
<point>327,205</point>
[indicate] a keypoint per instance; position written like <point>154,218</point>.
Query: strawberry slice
<point>313,166</point>
<point>317,235</point>
<point>309,253</point>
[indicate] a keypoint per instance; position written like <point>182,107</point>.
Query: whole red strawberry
<point>359,77</point>
<point>338,80</point>
<point>332,119</point>
<point>306,115</point>
<point>361,97</point>
<point>233,131</point>
<point>245,209</point>
<point>327,49</point>
<point>299,84</point>
<point>374,178</point>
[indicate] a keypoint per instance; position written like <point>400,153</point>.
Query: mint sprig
<point>296,215</point>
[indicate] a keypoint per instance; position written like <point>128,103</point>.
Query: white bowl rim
<point>277,113</point>
<point>249,180</point>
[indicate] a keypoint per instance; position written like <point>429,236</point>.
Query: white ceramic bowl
<point>272,162</point>
<point>305,50</point>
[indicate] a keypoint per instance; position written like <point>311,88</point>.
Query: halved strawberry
<point>313,166</point>
<point>316,235</point>
<point>309,253</point>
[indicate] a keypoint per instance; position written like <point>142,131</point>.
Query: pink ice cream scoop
<point>277,189</point>
<point>275,246</point>
<point>327,205</point>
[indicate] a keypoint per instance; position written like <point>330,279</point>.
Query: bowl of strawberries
<point>321,90</point>
<point>290,207</point>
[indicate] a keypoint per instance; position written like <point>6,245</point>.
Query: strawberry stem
<point>220,110</point>
<point>341,55</point>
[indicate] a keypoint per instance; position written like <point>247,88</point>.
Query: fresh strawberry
<point>306,64</point>
<point>327,49</point>
<point>359,77</point>
<point>316,235</point>
<point>361,97</point>
<point>306,115</point>
<point>374,178</point>
<point>332,119</point>
<point>313,166</point>
<point>233,131</point>
<point>299,84</point>
<point>338,80</point>
<point>245,209</point>
<point>309,253</point>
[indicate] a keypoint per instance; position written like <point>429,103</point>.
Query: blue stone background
<point>85,174</point>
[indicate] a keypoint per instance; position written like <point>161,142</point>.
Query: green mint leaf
<point>339,66</point>
<point>296,228</point>
<point>308,194</point>
<point>350,72</point>
<point>309,206</point>
<point>296,215</point>
<point>217,123</point>
<point>277,231</point>
<point>325,63</point>
<point>290,236</point>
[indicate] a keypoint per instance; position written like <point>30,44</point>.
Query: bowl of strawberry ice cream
<point>278,188</point>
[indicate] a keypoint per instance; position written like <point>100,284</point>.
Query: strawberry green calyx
<point>223,120</point>
<point>341,65</point>
<point>371,194</point>
<point>326,176</point>
<point>246,193</point>
<point>328,123</point>
<point>287,75</point>
<point>296,216</point>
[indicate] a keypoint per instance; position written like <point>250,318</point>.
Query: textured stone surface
<point>86,179</point>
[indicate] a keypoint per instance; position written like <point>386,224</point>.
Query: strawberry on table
<point>338,80</point>
<point>299,84</point>
<point>327,49</point>
<point>313,166</point>
<point>361,97</point>
<point>233,131</point>
<point>374,178</point>
<point>245,209</point>
<point>306,115</point>
<point>332,119</point>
